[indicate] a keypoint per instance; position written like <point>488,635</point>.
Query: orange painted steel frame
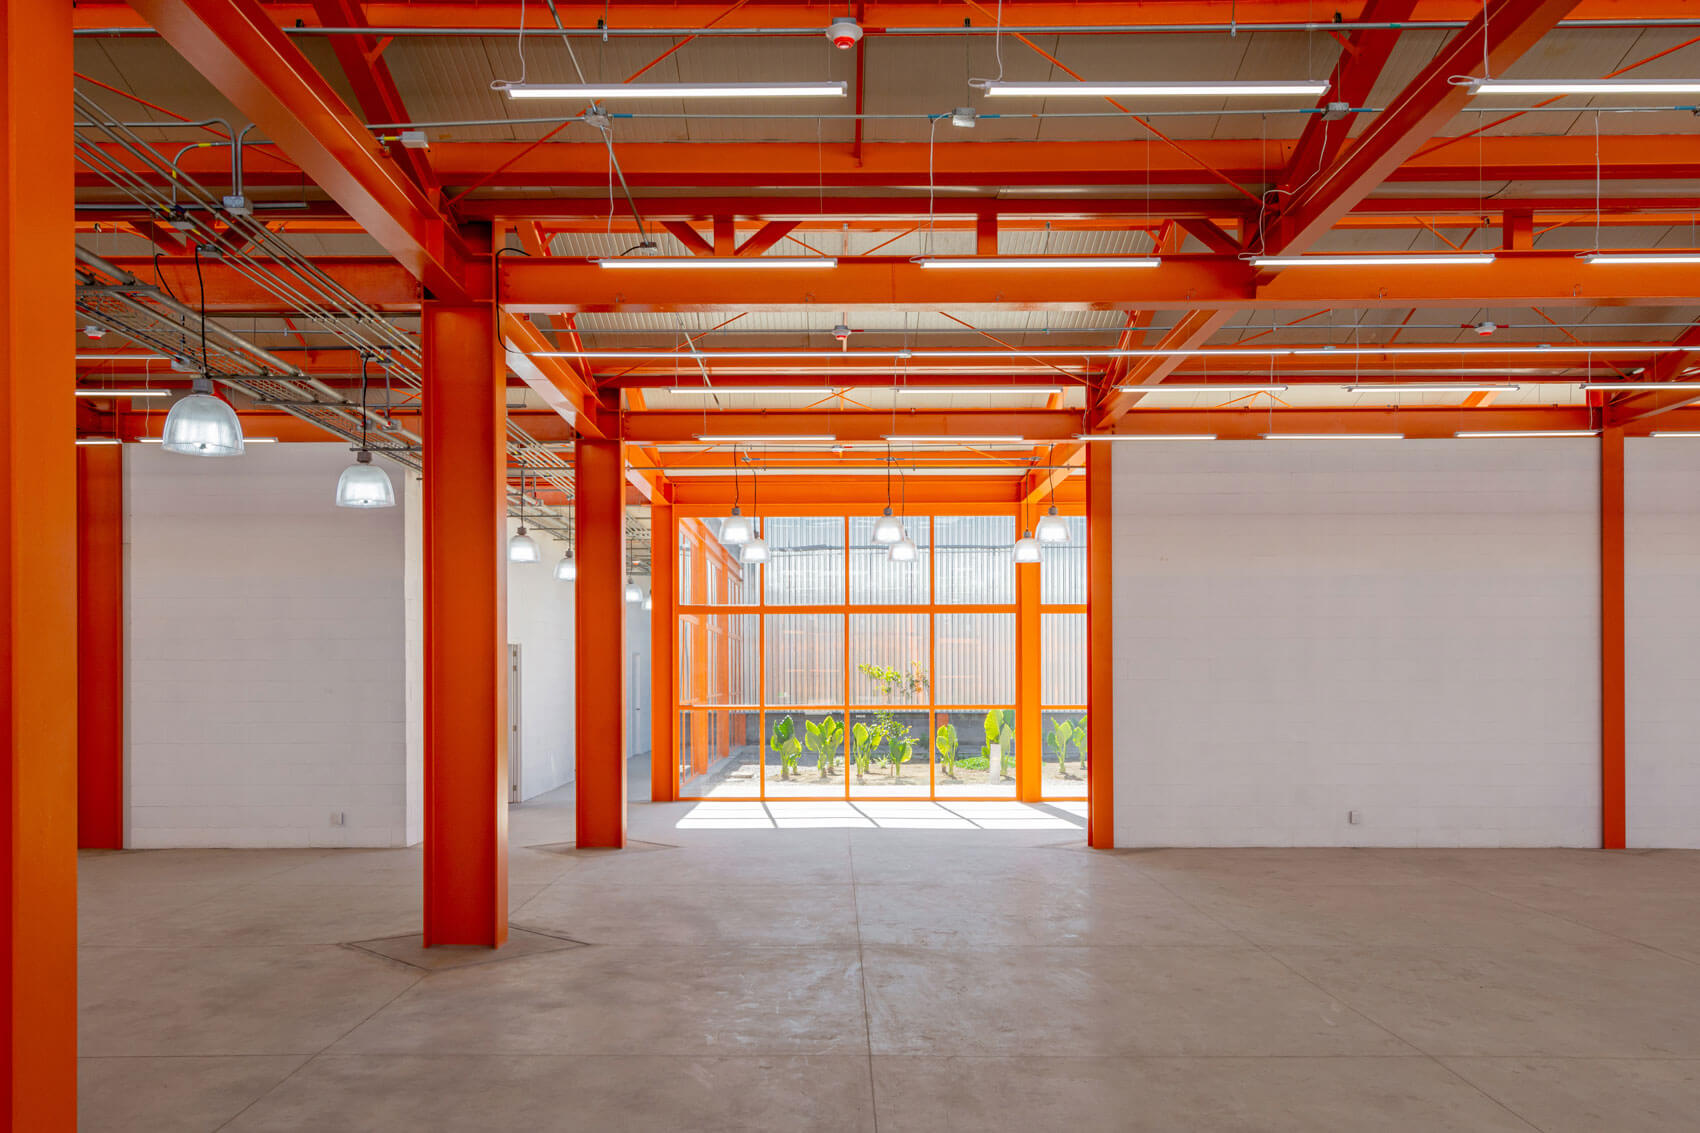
<point>466,688</point>
<point>663,565</point>
<point>1100,652</point>
<point>600,641</point>
<point>38,547</point>
<point>696,615</point>
<point>100,648</point>
<point>1613,804</point>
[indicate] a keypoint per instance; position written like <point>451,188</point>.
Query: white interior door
<point>513,724</point>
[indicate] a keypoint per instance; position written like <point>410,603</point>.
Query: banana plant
<point>1007,739</point>
<point>865,740</point>
<point>994,723</point>
<point>1080,740</point>
<point>787,746</point>
<point>1061,735</point>
<point>898,751</point>
<point>824,740</point>
<point>946,743</point>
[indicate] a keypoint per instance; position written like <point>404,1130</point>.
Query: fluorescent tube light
<point>1432,387</point>
<point>1612,387</point>
<point>596,91</point>
<point>1585,86</point>
<point>1039,261</point>
<point>727,439</point>
<point>963,439</point>
<point>1145,436</point>
<point>923,355</point>
<point>1642,257</point>
<point>1415,259</point>
<point>1250,88</point>
<point>1202,387</point>
<point>1333,436</point>
<point>824,390</point>
<point>124,392</point>
<point>718,262</point>
<point>1693,433</point>
<point>245,440</point>
<point>85,442</point>
<point>1482,434</point>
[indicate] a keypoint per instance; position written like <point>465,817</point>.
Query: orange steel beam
<point>378,280</point>
<point>100,648</point>
<point>374,87</point>
<point>689,237</point>
<point>1100,651</point>
<point>1029,669</point>
<point>1186,282</point>
<point>1367,52</point>
<point>766,237</point>
<point>558,381</point>
<point>881,19</point>
<point>1494,39</point>
<point>237,48</point>
<point>599,642</point>
<point>38,588</point>
<point>466,664</point>
<point>1665,367</point>
<point>1044,164</point>
<point>663,634</point>
<point>660,426</point>
<point>1210,234</point>
<point>1613,716</point>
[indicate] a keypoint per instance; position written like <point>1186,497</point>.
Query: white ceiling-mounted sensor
<point>844,32</point>
<point>1485,328</point>
<point>414,139</point>
<point>94,330</point>
<point>841,333</point>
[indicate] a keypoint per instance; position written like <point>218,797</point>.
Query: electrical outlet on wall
<point>1354,817</point>
<point>339,818</point>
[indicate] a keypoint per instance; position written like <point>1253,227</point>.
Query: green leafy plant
<point>889,735</point>
<point>1061,735</point>
<point>1080,740</point>
<point>824,739</point>
<point>1007,766</point>
<point>865,741</point>
<point>993,725</point>
<point>787,746</point>
<point>898,750</point>
<point>946,743</point>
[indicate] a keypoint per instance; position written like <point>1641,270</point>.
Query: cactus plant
<point>946,742</point>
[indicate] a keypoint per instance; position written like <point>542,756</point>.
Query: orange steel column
<point>1100,654</point>
<point>466,629</point>
<point>100,648</point>
<point>663,635</point>
<point>599,476</point>
<point>38,578</point>
<point>1613,804</point>
<point>1029,747</point>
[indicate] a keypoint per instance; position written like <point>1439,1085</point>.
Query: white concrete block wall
<point>540,622</point>
<point>411,490</point>
<point>267,685</point>
<point>1662,629</point>
<point>638,688</point>
<point>1405,629</point>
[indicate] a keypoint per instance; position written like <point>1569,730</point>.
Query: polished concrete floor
<point>921,967</point>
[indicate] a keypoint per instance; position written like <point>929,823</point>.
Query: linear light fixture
<point>1585,86</point>
<point>1233,88</point>
<point>1612,387</point>
<point>823,390</point>
<point>1433,387</point>
<point>1202,387</point>
<point>1145,436</point>
<point>1691,433</point>
<point>139,391</point>
<point>1484,434</point>
<point>853,356</point>
<point>245,440</point>
<point>1333,436</point>
<point>1414,259</point>
<point>1642,257</point>
<point>727,439</point>
<point>597,91</point>
<point>87,442</point>
<point>962,439</point>
<point>1039,261</point>
<point>718,262</point>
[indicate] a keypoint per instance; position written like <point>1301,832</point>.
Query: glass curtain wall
<point>1062,649</point>
<point>835,672</point>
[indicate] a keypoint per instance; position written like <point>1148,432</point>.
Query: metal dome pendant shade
<point>202,424</point>
<point>1027,548</point>
<point>567,569</point>
<point>1052,528</point>
<point>522,548</point>
<point>363,484</point>
<point>736,529</point>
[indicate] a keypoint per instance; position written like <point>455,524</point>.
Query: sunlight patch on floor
<point>834,814</point>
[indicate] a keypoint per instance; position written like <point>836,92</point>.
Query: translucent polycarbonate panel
<point>976,565</point>
<point>877,580</point>
<point>730,658</point>
<point>364,485</point>
<point>889,752</point>
<point>1062,735</point>
<point>1062,578</point>
<point>201,424</point>
<point>712,573</point>
<point>804,754</point>
<point>805,659</point>
<point>1062,659</point>
<point>890,662</point>
<point>720,753</point>
<point>805,565</point>
<point>975,656</point>
<point>981,751</point>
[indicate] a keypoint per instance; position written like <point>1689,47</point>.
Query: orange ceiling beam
<point>1367,52</point>
<point>238,49</point>
<point>659,426</point>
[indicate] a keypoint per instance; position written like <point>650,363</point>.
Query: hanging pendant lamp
<point>363,484</point>
<point>904,550</point>
<point>888,529</point>
<point>755,550</point>
<point>736,530</point>
<point>1052,528</point>
<point>1027,548</point>
<point>201,423</point>
<point>634,592</point>
<point>522,548</point>
<point>567,569</point>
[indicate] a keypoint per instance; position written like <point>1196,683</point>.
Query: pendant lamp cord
<point>201,284</point>
<point>364,359</point>
<point>734,477</point>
